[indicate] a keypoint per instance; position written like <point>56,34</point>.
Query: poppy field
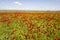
<point>29,25</point>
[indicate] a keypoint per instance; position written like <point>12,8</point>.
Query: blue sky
<point>29,4</point>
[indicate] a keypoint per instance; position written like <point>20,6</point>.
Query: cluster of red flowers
<point>29,27</point>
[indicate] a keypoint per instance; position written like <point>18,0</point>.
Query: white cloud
<point>18,3</point>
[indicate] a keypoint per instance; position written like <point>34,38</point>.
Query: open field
<point>15,25</point>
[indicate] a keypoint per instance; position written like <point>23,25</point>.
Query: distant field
<point>29,25</point>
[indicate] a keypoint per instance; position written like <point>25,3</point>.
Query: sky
<point>29,4</point>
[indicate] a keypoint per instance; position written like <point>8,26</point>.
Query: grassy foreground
<point>29,25</point>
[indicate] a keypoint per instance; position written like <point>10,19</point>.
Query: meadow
<point>29,25</point>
